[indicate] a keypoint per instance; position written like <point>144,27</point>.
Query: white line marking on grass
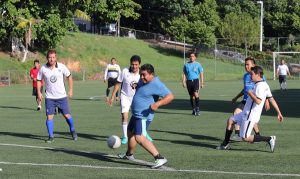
<point>148,169</point>
<point>96,97</point>
<point>164,168</point>
<point>142,162</point>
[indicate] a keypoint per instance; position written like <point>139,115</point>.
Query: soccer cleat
<point>149,138</point>
<point>197,111</point>
<point>222,147</point>
<point>39,107</point>
<point>272,143</point>
<point>74,135</point>
<point>193,113</point>
<point>127,157</point>
<point>159,162</point>
<point>236,138</point>
<point>50,140</point>
<point>124,140</point>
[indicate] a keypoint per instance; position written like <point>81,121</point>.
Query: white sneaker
<point>159,163</point>
<point>39,107</point>
<point>127,157</point>
<point>236,138</point>
<point>272,143</point>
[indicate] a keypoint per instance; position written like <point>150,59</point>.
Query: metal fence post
<point>9,80</point>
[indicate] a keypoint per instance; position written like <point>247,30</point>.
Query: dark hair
<point>193,53</point>
<point>252,59</point>
<point>51,51</point>
<point>135,58</point>
<point>258,70</point>
<point>36,61</point>
<point>113,58</point>
<point>147,67</point>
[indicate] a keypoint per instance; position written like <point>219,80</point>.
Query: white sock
<point>124,127</point>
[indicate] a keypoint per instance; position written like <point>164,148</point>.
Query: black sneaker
<point>193,113</point>
<point>74,135</point>
<point>197,111</point>
<point>50,140</point>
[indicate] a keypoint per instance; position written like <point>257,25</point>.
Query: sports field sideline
<point>187,141</point>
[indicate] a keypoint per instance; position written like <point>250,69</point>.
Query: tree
<point>239,29</point>
<point>197,23</point>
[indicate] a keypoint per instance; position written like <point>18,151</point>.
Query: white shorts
<point>246,126</point>
<point>125,103</point>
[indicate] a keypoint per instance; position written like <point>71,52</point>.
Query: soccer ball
<point>114,142</point>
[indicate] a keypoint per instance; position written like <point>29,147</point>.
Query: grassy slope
<point>89,49</point>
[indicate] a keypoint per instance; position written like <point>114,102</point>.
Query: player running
<point>252,112</point>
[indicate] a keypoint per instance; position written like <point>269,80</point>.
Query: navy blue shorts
<point>62,104</point>
<point>138,126</point>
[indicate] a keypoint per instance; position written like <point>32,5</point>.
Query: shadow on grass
<point>17,107</point>
<point>205,105</point>
<point>193,136</point>
<point>98,156</point>
<point>59,135</point>
<point>84,135</point>
<point>24,135</point>
<point>288,101</point>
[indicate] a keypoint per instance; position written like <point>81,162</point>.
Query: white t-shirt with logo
<point>282,69</point>
<point>54,80</point>
<point>129,81</point>
<point>112,71</point>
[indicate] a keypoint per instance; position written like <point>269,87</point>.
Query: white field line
<point>165,169</point>
<point>142,162</point>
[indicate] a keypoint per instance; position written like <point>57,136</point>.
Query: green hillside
<point>90,53</point>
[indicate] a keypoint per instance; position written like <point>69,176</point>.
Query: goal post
<point>275,54</point>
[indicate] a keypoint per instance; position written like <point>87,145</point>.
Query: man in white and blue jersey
<point>252,112</point>
<point>192,71</point>
<point>143,104</point>
<point>53,74</point>
<point>248,84</point>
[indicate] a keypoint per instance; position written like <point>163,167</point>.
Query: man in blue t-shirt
<point>144,103</point>
<point>192,71</point>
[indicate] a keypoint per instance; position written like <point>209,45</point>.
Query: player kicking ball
<point>144,104</point>
<point>252,112</point>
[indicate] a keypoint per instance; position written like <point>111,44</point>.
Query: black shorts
<point>192,86</point>
<point>282,78</point>
<point>34,91</point>
<point>111,82</point>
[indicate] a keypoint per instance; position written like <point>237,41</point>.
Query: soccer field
<point>188,142</point>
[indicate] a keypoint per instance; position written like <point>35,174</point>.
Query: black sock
<point>158,156</point>
<point>227,137</point>
<point>237,132</point>
<point>107,92</point>
<point>197,102</point>
<point>192,102</point>
<point>259,138</point>
<point>128,153</point>
<point>257,133</point>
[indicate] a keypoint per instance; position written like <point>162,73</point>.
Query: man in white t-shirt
<point>282,71</point>
<point>111,74</point>
<point>127,81</point>
<point>53,74</point>
<point>252,112</point>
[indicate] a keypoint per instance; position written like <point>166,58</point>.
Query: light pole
<point>261,23</point>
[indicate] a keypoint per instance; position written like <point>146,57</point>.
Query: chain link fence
<point>11,77</point>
